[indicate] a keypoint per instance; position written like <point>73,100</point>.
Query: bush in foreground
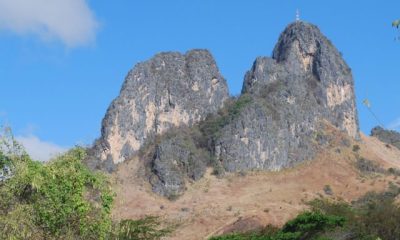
<point>61,199</point>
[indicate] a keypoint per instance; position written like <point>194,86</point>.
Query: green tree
<point>61,199</point>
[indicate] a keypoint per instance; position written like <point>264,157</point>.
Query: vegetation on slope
<point>211,127</point>
<point>307,225</point>
<point>374,216</point>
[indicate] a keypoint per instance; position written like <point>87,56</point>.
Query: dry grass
<point>283,193</point>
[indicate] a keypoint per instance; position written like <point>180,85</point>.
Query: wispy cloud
<point>395,125</point>
<point>38,149</point>
<point>70,21</point>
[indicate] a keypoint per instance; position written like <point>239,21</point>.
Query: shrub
<point>234,236</point>
<point>328,190</point>
<point>148,228</point>
<point>394,171</point>
<point>336,208</point>
<point>368,166</point>
<point>310,224</point>
<point>356,148</point>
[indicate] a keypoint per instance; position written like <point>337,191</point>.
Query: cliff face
<point>167,91</point>
<point>304,83</point>
<point>175,108</point>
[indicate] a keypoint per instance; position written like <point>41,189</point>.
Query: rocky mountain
<point>167,91</point>
<point>175,108</point>
<point>305,82</point>
<point>386,136</point>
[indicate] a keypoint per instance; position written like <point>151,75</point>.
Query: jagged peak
<point>305,48</point>
<point>306,35</point>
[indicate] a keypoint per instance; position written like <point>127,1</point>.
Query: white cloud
<point>70,21</point>
<point>38,149</point>
<point>395,125</point>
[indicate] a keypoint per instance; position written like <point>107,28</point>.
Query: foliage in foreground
<point>374,216</point>
<point>61,199</point>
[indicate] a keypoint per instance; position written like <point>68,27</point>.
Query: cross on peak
<point>297,15</point>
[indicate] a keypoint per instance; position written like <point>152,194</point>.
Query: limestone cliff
<point>166,91</point>
<point>304,83</point>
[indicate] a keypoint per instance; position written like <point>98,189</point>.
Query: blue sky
<point>63,61</point>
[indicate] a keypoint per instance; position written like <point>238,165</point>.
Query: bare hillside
<point>243,201</point>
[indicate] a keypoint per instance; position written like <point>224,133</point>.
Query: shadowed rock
<point>176,158</point>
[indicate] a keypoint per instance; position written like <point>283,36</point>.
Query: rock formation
<point>176,107</point>
<point>167,91</point>
<point>387,136</point>
<point>304,83</point>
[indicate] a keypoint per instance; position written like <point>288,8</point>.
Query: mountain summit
<point>305,83</point>
<point>175,109</point>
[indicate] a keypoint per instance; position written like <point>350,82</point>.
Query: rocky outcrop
<point>176,159</point>
<point>167,91</point>
<point>386,136</point>
<point>304,83</point>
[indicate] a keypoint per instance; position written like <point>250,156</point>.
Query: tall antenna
<point>297,15</point>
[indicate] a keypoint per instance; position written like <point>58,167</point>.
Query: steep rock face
<point>387,136</point>
<point>304,83</point>
<point>166,91</point>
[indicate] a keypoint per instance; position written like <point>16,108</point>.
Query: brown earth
<point>214,205</point>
